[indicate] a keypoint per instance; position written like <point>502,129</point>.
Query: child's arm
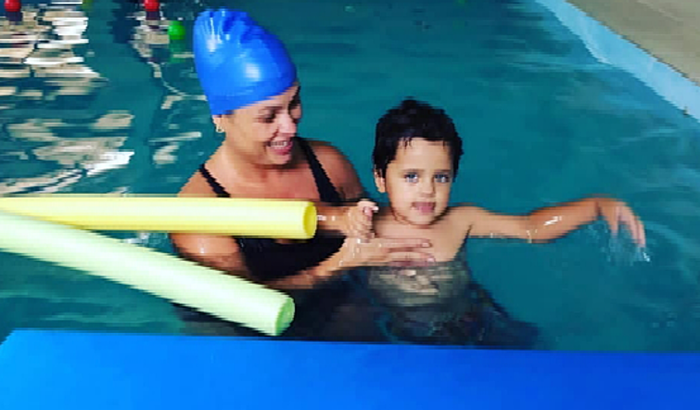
<point>546,224</point>
<point>354,220</point>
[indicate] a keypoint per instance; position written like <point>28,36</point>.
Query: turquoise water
<point>543,122</point>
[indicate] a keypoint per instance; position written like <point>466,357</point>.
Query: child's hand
<point>615,212</point>
<point>358,220</point>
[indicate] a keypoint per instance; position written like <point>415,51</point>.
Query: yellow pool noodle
<point>227,297</point>
<point>271,218</point>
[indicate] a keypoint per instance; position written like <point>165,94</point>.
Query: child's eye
<point>442,178</point>
<point>411,177</point>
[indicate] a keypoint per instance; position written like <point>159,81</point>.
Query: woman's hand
<point>614,212</point>
<point>374,251</point>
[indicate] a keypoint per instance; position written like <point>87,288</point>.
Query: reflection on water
<point>55,108</point>
<point>46,110</point>
<point>78,113</point>
<point>166,58</point>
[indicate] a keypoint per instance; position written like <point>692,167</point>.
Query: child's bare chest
<point>446,240</point>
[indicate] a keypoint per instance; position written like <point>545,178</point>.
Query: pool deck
<point>666,29</point>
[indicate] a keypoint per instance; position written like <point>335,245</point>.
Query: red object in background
<point>151,5</point>
<point>13,6</point>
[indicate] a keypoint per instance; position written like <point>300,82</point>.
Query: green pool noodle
<point>225,296</point>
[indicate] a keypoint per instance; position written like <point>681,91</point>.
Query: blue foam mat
<point>56,370</point>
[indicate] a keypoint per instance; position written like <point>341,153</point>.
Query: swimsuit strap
<point>326,189</point>
<point>213,183</point>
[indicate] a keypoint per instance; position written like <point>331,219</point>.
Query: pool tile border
<point>609,47</point>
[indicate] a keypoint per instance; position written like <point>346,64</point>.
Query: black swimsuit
<point>267,259</point>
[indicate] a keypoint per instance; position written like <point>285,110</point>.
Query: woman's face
<point>264,132</point>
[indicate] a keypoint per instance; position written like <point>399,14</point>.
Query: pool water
<point>543,122</point>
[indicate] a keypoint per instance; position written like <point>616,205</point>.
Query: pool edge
<point>610,47</point>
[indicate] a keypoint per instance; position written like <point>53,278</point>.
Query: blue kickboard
<point>73,370</point>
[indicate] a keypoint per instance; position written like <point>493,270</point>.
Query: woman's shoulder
<point>198,186</point>
<point>338,167</point>
<point>324,150</point>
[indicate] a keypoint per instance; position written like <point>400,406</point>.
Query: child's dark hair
<point>413,119</point>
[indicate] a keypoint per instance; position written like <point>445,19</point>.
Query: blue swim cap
<point>237,61</point>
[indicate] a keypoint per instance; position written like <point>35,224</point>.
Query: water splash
<point>622,250</point>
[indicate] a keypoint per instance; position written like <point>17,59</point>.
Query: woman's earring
<point>219,128</point>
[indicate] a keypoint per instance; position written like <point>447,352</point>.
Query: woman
<point>253,93</point>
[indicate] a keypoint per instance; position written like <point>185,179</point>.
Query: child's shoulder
<point>456,216</point>
<point>465,212</point>
<point>464,216</point>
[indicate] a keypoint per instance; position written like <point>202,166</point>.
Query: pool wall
<point>613,48</point>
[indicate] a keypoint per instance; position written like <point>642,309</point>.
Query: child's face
<point>418,181</point>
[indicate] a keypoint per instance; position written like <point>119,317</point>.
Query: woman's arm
<point>357,253</point>
<point>223,254</point>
